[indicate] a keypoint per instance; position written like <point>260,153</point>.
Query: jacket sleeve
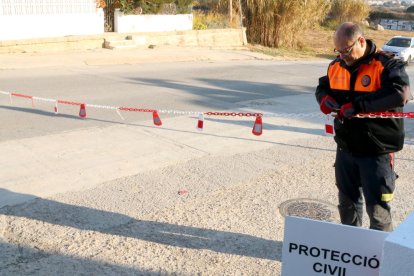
<point>394,92</point>
<point>322,89</point>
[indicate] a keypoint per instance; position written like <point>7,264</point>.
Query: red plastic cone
<point>200,123</point>
<point>82,111</point>
<point>56,107</point>
<point>258,126</point>
<point>156,118</point>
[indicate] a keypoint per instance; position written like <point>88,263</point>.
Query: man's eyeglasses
<point>347,50</point>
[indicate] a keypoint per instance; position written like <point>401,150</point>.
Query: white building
<point>375,3</point>
<point>394,24</point>
<point>49,18</point>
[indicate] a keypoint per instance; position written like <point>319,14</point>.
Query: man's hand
<point>328,105</point>
<point>347,111</point>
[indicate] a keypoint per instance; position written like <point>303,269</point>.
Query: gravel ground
<point>225,221</point>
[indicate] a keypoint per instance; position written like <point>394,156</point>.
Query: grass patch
<point>286,53</point>
<point>318,43</point>
<point>203,21</point>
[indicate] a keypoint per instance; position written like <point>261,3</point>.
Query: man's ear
<point>362,41</point>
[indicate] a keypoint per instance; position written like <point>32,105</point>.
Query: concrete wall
<point>199,38</point>
<point>51,44</point>
<point>152,23</point>
<point>203,38</point>
<point>398,256</point>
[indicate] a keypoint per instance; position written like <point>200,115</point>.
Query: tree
<point>154,6</point>
<point>410,9</point>
<point>349,10</point>
<point>276,23</point>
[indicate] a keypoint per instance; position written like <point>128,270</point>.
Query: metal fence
<point>46,7</point>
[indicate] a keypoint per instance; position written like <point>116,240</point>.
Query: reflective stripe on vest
<point>387,197</point>
<point>368,79</point>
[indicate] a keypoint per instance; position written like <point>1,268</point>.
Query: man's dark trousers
<point>370,176</point>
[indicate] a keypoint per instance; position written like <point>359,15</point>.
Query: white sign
<point>313,247</point>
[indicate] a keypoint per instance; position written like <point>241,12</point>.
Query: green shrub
<point>154,6</point>
<point>377,15</point>
<point>349,10</point>
<point>198,24</point>
<point>211,20</point>
<point>183,6</point>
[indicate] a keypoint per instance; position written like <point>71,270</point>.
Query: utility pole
<point>241,24</point>
<point>230,12</point>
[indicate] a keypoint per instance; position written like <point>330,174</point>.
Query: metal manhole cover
<point>309,208</point>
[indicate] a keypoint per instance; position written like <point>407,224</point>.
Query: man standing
<point>364,79</point>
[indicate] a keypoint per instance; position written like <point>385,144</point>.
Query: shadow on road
<point>23,260</point>
<point>84,218</point>
<point>248,124</point>
<point>41,112</point>
<point>219,93</point>
<point>266,126</point>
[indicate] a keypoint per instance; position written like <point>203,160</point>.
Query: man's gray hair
<point>350,30</point>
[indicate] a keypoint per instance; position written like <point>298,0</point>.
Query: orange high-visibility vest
<point>368,78</point>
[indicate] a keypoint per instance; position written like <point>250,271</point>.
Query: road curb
<point>200,38</point>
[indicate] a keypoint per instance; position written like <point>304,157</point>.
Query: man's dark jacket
<point>386,86</point>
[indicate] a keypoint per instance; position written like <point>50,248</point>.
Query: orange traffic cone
<point>200,123</point>
<point>82,111</point>
<point>156,118</point>
<point>258,126</point>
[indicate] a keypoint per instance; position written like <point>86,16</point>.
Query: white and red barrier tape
<point>257,127</point>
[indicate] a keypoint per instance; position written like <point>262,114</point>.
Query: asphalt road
<point>221,84</point>
<point>189,86</point>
